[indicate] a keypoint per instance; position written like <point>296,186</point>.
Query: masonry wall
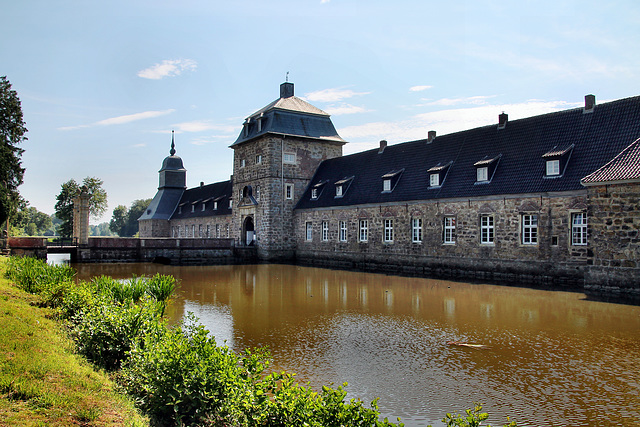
<point>270,208</point>
<point>218,226</point>
<point>551,260</point>
<point>614,227</point>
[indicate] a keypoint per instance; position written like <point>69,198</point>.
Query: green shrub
<point>35,276</point>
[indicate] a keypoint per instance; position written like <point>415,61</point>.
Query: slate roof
<point>219,192</point>
<point>623,168</point>
<point>163,204</point>
<point>291,116</point>
<point>596,137</point>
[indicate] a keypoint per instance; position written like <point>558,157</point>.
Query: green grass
<point>42,381</point>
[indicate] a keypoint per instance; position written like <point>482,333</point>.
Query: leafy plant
<point>474,418</point>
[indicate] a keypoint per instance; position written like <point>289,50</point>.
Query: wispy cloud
<point>332,95</point>
<point>204,125</point>
<point>447,121</point>
<point>168,68</point>
<point>470,100</point>
<point>128,118</point>
<point>419,88</point>
<point>342,109</point>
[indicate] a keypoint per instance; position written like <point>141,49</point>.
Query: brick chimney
<point>589,103</point>
<point>383,145</point>
<point>431,135</point>
<point>502,120</point>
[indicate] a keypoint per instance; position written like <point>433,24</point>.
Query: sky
<point>103,84</point>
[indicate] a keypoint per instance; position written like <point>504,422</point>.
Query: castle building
<point>553,198</point>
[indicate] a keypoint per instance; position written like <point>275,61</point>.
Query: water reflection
<point>553,358</point>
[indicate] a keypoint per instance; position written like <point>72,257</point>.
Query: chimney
<point>383,145</point>
<point>589,103</point>
<point>286,90</point>
<point>201,183</point>
<point>431,135</point>
<point>502,120</point>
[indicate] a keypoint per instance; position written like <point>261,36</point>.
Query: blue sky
<point>103,84</point>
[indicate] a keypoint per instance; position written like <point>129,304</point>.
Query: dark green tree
<point>64,204</point>
<point>12,131</point>
<point>124,222</point>
<point>29,221</point>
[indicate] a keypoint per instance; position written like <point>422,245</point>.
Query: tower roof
<point>289,115</point>
<point>172,162</point>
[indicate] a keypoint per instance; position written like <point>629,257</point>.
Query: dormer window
<point>204,205</point>
<point>316,190</point>
<point>485,168</point>
<point>437,174</point>
<point>215,206</point>
<point>342,186</point>
<point>482,174</point>
<point>556,160</point>
<point>390,180</point>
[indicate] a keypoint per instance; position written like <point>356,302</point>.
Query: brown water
<point>551,358</point>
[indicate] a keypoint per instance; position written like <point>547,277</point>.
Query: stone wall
<point>550,259</point>
<point>614,232</point>
<point>214,227</point>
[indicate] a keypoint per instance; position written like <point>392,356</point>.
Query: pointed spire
<point>173,145</point>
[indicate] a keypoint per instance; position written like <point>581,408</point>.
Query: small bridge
<point>118,249</point>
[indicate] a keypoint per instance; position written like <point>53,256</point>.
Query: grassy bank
<point>42,381</point>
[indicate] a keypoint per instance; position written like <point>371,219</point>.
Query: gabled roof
<point>210,193</point>
<point>596,138</point>
<point>291,116</point>
<point>625,167</point>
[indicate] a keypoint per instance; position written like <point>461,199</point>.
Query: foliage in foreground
<point>180,376</point>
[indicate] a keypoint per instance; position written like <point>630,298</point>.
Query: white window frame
<point>388,230</point>
<point>325,231</point>
<point>288,191</point>
<point>529,229</point>
<point>338,190</point>
<point>257,192</point>
<point>204,205</point>
<point>553,167</point>
<point>230,203</point>
<point>579,234</point>
<point>193,208</point>
<point>363,227</point>
<point>314,193</point>
<point>386,185</point>
<point>482,174</point>
<point>208,231</point>
<point>258,159</point>
<point>487,229</point>
<point>308,231</point>
<point>434,180</point>
<point>416,230</point>
<point>343,231</point>
<point>193,231</point>
<point>289,158</point>
<point>242,163</point>
<point>449,236</point>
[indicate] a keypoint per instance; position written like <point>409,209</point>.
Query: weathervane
<point>173,145</point>
<point>286,79</point>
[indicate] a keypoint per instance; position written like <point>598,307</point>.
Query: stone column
<point>81,217</point>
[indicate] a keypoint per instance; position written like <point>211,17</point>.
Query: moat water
<point>551,358</point>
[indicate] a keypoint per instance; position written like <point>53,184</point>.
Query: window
<point>416,230</point>
<point>388,230</point>
<point>482,174</point>
<point>314,193</point>
<point>242,163</point>
<point>217,230</point>
<point>338,190</point>
<point>200,230</point>
<point>309,231</point>
<point>386,185</point>
<point>364,230</point>
<point>390,180</point>
<point>215,206</point>
<point>553,167</point>
<point>449,237</point>
<point>179,210</point>
<point>258,159</point>
<point>343,231</point>
<point>288,191</point>
<point>257,192</point>
<point>204,205</point>
<point>579,228</point>
<point>343,185</point>
<point>434,180</point>
<point>193,208</point>
<point>208,230</point>
<point>325,231</point>
<point>486,230</point>
<point>289,158</point>
<point>230,203</point>
<point>529,229</point>
<point>193,231</point>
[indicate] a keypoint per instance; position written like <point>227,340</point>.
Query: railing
<point>59,242</point>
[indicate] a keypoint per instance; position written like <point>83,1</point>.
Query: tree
<point>29,221</point>
<point>12,131</point>
<point>64,204</point>
<point>124,222</point>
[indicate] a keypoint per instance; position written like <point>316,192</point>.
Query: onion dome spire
<point>173,145</point>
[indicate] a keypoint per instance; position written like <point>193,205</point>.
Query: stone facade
<point>411,236</point>
<point>269,176</point>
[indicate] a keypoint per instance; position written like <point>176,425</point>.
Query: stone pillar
<point>81,217</point>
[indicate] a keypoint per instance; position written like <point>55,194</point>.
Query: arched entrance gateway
<point>248,232</point>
